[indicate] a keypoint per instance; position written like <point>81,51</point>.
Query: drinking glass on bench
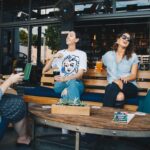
<point>56,72</point>
<point>99,66</point>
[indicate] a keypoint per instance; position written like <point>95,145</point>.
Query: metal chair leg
<point>77,141</point>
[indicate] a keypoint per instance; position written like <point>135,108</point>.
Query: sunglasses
<point>124,37</point>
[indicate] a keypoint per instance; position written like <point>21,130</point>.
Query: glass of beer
<point>99,66</point>
<point>56,72</point>
<point>18,70</point>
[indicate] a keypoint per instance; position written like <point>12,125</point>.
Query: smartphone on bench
<point>27,71</point>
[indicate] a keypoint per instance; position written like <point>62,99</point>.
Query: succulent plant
<point>75,102</point>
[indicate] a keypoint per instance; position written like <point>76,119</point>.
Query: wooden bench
<point>95,82</point>
<point>144,63</point>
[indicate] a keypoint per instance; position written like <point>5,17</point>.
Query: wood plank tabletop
<point>100,120</point>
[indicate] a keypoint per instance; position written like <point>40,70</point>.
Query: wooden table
<point>99,122</point>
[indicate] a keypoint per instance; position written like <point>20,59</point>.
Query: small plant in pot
<point>75,102</point>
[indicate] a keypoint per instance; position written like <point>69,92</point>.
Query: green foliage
<point>74,102</point>
<point>52,34</point>
<point>34,39</point>
<point>23,37</point>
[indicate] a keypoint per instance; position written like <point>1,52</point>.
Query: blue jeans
<point>74,89</point>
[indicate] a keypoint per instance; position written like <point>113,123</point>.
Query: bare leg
<point>64,93</point>
<point>119,100</point>
<point>120,97</point>
<point>21,129</point>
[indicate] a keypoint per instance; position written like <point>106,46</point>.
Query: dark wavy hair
<point>130,49</point>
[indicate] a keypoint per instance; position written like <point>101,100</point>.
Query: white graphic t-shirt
<point>71,62</point>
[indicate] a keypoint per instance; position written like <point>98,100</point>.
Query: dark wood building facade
<point>25,22</point>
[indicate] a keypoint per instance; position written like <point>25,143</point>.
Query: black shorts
<point>12,107</point>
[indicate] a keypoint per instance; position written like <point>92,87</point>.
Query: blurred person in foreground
<point>13,110</point>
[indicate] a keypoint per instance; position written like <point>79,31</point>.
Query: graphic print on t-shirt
<point>70,65</point>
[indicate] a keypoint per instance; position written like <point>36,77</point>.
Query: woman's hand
<point>59,78</point>
<point>124,79</point>
<point>1,81</point>
<point>119,83</point>
<point>58,55</point>
<point>14,78</point>
<point>49,63</point>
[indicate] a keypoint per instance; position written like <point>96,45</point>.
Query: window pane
<point>132,5</point>
<point>14,49</point>
<point>49,41</point>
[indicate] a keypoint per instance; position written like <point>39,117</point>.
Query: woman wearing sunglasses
<point>122,66</point>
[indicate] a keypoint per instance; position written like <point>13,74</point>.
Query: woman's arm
<point>49,63</point>
<point>75,76</point>
<point>14,78</point>
<point>133,74</point>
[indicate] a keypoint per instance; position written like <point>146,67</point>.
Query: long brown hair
<point>130,49</point>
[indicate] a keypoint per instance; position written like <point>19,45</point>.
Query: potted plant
<point>71,107</point>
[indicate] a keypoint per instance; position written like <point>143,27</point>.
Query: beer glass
<point>99,66</point>
<point>56,72</point>
<point>18,70</point>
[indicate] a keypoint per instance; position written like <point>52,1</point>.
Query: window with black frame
<point>132,5</point>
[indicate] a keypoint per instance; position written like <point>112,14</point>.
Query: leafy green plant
<point>52,34</point>
<point>23,35</point>
<point>74,102</point>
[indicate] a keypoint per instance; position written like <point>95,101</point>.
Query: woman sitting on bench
<point>71,64</point>
<point>122,66</point>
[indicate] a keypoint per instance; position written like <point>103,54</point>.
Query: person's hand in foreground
<point>14,78</point>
